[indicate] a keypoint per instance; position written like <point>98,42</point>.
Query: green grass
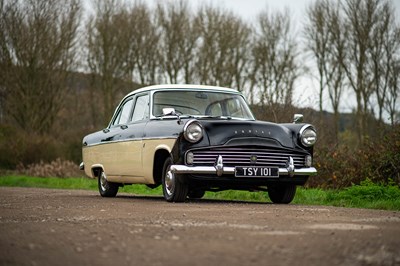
<point>47,182</point>
<point>366,195</point>
<point>69,183</point>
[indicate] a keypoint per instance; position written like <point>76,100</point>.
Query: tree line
<point>351,47</point>
<point>356,47</point>
<point>171,43</point>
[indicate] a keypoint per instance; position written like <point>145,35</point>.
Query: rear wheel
<point>174,187</point>
<point>106,189</point>
<point>282,193</point>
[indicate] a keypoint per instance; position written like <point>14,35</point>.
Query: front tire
<point>174,187</point>
<point>106,188</point>
<point>282,194</point>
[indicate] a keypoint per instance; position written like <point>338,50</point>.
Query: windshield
<point>202,104</point>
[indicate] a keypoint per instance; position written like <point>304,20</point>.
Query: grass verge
<point>367,195</point>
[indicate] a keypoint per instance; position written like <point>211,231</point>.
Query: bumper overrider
<point>219,169</point>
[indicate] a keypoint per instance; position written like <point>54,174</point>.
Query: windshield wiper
<point>173,115</point>
<point>216,117</point>
<point>179,116</point>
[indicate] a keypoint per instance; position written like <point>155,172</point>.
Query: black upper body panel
<point>216,132</point>
<point>221,132</point>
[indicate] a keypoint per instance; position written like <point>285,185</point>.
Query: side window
<point>214,110</point>
<point>141,110</point>
<point>234,108</point>
<point>124,113</point>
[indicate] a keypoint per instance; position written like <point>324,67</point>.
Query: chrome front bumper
<point>212,170</point>
<point>219,169</point>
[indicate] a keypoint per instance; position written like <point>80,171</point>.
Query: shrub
<point>18,147</point>
<point>56,168</point>
<point>341,166</point>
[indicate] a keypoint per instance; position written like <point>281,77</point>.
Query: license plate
<point>256,171</point>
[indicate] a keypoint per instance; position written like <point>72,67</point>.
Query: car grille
<point>243,157</point>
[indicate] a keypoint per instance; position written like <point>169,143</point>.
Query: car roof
<point>182,86</point>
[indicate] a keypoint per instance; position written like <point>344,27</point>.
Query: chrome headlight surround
<point>193,131</point>
<point>308,136</point>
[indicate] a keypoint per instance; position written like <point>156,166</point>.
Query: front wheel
<point>282,193</point>
<point>174,187</point>
<point>106,188</point>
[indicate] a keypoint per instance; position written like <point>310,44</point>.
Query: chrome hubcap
<point>169,182</point>
<point>103,181</point>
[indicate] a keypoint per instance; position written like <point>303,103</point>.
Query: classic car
<point>193,138</point>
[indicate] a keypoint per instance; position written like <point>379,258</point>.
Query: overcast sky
<point>249,9</point>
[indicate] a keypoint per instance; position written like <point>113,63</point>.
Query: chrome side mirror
<point>168,111</point>
<point>298,118</point>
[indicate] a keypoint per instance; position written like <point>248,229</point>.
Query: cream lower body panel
<point>126,179</point>
<point>129,162</point>
<point>120,158</point>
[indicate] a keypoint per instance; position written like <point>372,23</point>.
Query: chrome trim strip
<point>127,140</point>
<point>183,169</point>
<point>219,167</point>
<point>290,166</point>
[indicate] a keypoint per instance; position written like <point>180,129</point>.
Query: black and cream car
<point>191,139</point>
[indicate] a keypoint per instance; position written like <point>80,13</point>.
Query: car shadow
<point>157,198</point>
<point>194,201</point>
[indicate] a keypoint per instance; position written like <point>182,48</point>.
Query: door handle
<point>124,127</point>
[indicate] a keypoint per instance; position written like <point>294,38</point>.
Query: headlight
<point>308,136</point>
<point>193,131</point>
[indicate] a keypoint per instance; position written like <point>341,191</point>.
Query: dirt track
<point>62,227</point>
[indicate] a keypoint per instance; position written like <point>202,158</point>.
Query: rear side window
<point>124,113</point>
<point>141,110</point>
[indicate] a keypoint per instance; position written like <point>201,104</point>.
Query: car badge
<point>253,158</point>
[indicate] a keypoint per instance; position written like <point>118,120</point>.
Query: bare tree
<point>274,68</point>
<point>393,95</point>
<point>355,43</point>
<point>384,45</point>
<point>144,54</point>
<point>179,36</point>
<point>317,32</point>
<point>108,48</point>
<point>361,17</point>
<point>37,51</point>
<point>240,51</point>
<point>4,61</point>
<point>335,70</point>
<point>325,33</point>
<point>224,41</point>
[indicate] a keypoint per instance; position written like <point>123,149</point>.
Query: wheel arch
<point>159,158</point>
<point>96,169</point>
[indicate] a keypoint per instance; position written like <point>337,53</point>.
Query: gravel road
<point>73,227</point>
